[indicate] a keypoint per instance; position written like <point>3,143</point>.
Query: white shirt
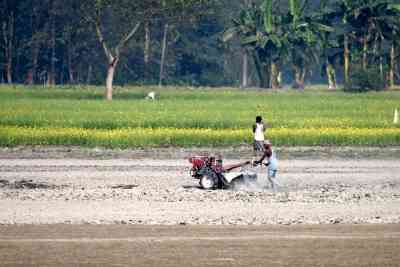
<point>259,132</point>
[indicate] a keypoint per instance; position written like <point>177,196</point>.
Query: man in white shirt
<point>258,130</point>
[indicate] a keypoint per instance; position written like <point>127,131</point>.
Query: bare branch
<point>123,42</point>
<point>4,31</point>
<point>101,37</point>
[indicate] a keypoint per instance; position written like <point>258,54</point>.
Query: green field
<point>194,117</point>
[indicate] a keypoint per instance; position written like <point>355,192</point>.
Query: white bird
<point>151,96</point>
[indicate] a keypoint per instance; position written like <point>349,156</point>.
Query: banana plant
<point>395,40</point>
<point>329,45</point>
<point>367,23</point>
<point>304,40</point>
<point>381,19</point>
<point>269,41</point>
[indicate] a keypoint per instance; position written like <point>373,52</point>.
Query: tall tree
<point>35,38</point>
<point>174,12</point>
<point>8,13</point>
<point>242,27</point>
<point>125,11</point>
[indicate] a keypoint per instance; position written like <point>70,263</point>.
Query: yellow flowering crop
<point>140,137</point>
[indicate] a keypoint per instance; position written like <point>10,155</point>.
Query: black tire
<point>208,182</point>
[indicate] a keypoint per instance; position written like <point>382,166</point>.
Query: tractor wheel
<point>207,182</point>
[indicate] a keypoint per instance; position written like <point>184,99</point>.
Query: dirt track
<point>125,245</point>
<point>141,190</point>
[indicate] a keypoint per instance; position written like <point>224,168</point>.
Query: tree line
<point>263,43</point>
<point>91,41</point>
<point>358,36</point>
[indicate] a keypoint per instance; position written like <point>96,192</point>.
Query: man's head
<point>211,161</point>
<point>258,119</point>
<point>268,147</point>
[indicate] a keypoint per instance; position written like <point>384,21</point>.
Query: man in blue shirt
<point>272,164</point>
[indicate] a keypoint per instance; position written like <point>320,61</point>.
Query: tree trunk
<point>112,59</point>
<point>110,77</point>
<point>10,48</point>
<point>331,74</point>
<point>346,60</point>
<point>303,78</point>
<point>146,50</point>
<point>381,63</point>
<point>280,79</point>
<point>71,72</point>
<point>381,68</point>
<point>365,53</point>
<point>274,75</point>
<point>78,73</point>
<point>53,54</point>
<point>375,49</point>
<point>267,76</point>
<point>9,72</point>
<point>31,76</point>
<point>299,76</point>
<point>163,54</point>
<point>392,65</point>
<point>34,48</point>
<point>51,78</point>
<point>8,36</point>
<point>259,70</point>
<point>245,65</point>
<point>89,74</point>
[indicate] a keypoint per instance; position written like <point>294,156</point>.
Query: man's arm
<point>234,166</point>
<point>267,154</point>
<point>254,128</point>
<point>261,159</point>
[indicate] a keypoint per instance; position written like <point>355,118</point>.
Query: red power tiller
<point>212,175</point>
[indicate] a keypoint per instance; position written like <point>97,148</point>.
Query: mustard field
<point>187,117</point>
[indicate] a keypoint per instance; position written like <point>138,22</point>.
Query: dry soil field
<point>75,207</point>
<point>64,186</point>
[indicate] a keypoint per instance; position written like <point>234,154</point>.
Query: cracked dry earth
<point>149,191</point>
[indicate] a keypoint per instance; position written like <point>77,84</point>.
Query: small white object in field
<point>396,116</point>
<point>151,96</point>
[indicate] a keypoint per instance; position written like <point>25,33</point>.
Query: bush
<point>365,80</point>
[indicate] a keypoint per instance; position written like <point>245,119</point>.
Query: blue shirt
<point>273,162</point>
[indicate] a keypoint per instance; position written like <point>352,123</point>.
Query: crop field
<point>188,117</point>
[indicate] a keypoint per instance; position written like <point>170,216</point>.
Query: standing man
<point>258,131</point>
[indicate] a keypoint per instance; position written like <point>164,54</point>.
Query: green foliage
<point>364,80</point>
<point>295,10</point>
<point>268,16</point>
